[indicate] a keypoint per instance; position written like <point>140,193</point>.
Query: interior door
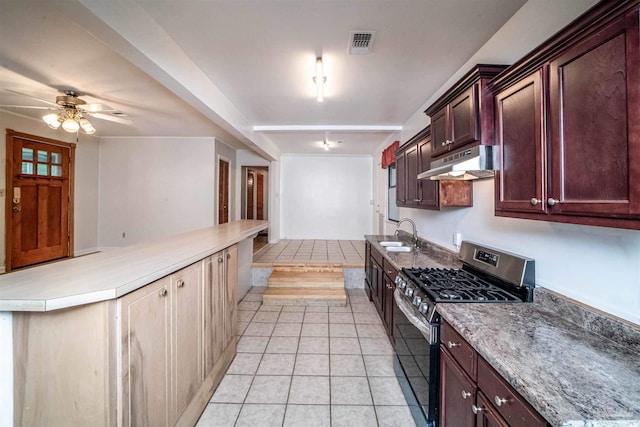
<point>223,192</point>
<point>260,196</point>
<point>39,181</point>
<point>250,193</point>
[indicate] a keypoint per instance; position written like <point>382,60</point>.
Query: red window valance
<point>388,154</point>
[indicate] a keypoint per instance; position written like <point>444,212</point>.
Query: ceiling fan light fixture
<point>52,120</point>
<point>86,126</point>
<point>70,125</point>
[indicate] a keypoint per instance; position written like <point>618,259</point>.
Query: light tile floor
<point>347,252</point>
<point>310,366</point>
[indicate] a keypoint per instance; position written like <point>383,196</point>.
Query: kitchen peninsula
<point>137,335</point>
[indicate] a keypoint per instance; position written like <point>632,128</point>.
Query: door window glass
<point>393,212</point>
<point>56,158</point>
<point>43,156</point>
<point>27,154</point>
<point>27,168</point>
<point>43,169</point>
<point>56,170</point>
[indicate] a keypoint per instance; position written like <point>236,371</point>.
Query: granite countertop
<point>429,254</point>
<point>111,274</point>
<point>573,364</point>
<point>566,370</point>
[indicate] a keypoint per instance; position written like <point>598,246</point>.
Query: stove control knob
<point>417,301</point>
<point>401,283</point>
<point>423,308</point>
<point>409,292</point>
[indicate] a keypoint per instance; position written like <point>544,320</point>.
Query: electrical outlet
<point>457,239</point>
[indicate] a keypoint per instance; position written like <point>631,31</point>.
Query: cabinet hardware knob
<point>453,344</point>
<point>500,401</point>
<point>220,260</point>
<point>466,394</point>
<point>535,201</point>
<point>228,256</point>
<point>476,409</point>
<point>180,283</point>
<point>163,292</point>
<point>443,143</point>
<point>551,201</point>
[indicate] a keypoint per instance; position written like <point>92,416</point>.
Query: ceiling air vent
<point>361,42</point>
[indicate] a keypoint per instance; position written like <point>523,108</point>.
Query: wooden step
<point>304,296</point>
<point>306,279</point>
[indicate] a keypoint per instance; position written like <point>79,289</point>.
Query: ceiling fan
<point>71,112</point>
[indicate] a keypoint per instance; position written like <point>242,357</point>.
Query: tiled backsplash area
<point>310,366</point>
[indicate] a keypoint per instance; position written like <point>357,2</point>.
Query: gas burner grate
<point>455,285</point>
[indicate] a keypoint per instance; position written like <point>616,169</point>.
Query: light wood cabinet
<point>221,280</point>
<point>162,348</point>
<point>145,321</point>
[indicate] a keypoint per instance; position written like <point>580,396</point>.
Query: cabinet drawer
<point>390,270</point>
<point>508,403</point>
<point>376,255</point>
<point>462,352</point>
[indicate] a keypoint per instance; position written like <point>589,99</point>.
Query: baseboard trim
<point>86,251</point>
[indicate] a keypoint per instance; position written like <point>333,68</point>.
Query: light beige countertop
<point>114,273</point>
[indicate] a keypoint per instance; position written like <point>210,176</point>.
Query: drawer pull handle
<point>220,260</point>
<point>466,394</point>
<point>180,283</point>
<point>476,409</point>
<point>163,292</point>
<point>453,344</point>
<point>500,401</point>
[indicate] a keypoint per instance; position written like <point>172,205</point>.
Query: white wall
<point>595,265</point>
<point>325,197</point>
<point>86,179</point>
<point>155,187</point>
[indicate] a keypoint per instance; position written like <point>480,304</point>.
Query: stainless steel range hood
<point>472,163</point>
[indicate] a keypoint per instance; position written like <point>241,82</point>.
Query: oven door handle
<point>414,317</point>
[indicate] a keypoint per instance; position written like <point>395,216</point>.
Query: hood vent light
<point>361,42</point>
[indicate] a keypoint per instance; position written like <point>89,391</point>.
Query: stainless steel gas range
<point>487,275</point>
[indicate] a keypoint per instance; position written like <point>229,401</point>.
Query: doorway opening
<point>39,203</point>
<point>255,200</point>
<point>223,191</point>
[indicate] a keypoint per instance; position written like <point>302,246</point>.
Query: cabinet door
<point>411,176</point>
<point>368,269</point>
<point>595,124</point>
<point>230,286</point>
<point>378,285</point>
<point>186,325</point>
<point>521,179</point>
<point>427,189</point>
<point>401,180</point>
<point>213,299</point>
<point>463,118</point>
<point>487,415</point>
<point>145,355</point>
<point>439,132</point>
<point>457,394</point>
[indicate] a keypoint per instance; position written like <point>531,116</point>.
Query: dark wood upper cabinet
<point>568,124</point>
<point>414,157</point>
<point>521,181</point>
<point>464,114</point>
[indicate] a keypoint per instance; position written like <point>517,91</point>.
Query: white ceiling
<point>202,68</point>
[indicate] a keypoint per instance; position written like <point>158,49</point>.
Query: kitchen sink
<point>392,244</point>
<point>399,249</point>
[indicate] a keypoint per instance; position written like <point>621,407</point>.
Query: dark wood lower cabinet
<point>477,397</point>
<point>380,277</point>
<point>457,394</point>
<point>487,416</point>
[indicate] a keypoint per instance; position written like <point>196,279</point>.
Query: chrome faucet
<point>415,232</point>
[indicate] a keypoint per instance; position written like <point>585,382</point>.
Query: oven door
<point>416,346</point>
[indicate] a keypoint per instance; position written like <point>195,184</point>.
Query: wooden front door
<point>39,182</point>
<point>223,192</point>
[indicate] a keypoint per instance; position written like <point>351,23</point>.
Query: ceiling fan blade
<point>27,106</point>
<point>112,118</point>
<point>31,96</point>
<point>94,108</point>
